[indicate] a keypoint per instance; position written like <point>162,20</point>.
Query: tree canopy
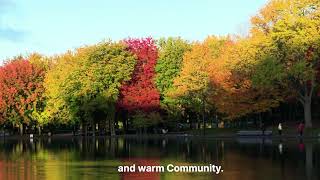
<point>142,83</point>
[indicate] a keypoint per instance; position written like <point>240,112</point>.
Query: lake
<point>99,158</point>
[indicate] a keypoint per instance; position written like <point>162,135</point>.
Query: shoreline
<point>156,136</point>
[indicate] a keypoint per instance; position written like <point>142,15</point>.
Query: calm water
<point>245,159</point>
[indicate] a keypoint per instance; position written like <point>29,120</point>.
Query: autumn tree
<point>231,75</point>
<point>292,26</point>
<point>40,116</point>
<point>140,94</point>
<point>21,94</point>
<point>58,109</point>
<point>40,60</point>
<point>193,86</point>
<point>84,85</point>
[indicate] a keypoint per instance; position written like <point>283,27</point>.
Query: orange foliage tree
<point>231,76</point>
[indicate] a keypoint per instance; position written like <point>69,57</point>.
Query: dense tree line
<point>143,83</point>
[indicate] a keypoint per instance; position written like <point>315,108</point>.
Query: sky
<point>55,26</point>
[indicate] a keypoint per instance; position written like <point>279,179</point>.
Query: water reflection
<point>98,158</point>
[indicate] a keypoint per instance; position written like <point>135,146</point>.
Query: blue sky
<point>51,27</point>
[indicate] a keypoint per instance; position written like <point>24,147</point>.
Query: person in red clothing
<point>301,146</point>
<point>301,128</point>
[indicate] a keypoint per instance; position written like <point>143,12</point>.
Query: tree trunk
<point>111,126</point>
<point>81,128</point>
<point>125,125</point>
<point>85,129</point>
<point>21,129</point>
<point>3,131</point>
<point>106,126</point>
<point>203,117</point>
<point>39,130</point>
<point>74,130</point>
<point>307,113</point>
<point>93,125</point>
<point>198,121</point>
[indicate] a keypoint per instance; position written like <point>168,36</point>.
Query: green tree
<point>295,36</point>
<point>86,83</point>
<point>171,52</point>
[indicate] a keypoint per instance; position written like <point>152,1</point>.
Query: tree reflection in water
<point>98,158</point>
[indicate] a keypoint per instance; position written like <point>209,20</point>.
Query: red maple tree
<point>140,93</point>
<point>21,89</point>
